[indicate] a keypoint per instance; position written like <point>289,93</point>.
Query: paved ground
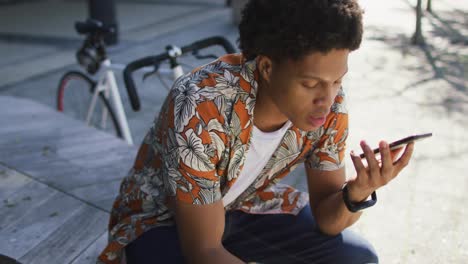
<point>394,89</point>
<point>58,180</point>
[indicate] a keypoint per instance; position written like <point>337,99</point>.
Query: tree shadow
<point>445,52</point>
<point>450,24</point>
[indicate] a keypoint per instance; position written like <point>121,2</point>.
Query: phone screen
<point>401,142</point>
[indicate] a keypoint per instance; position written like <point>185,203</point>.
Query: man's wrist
<point>357,196</point>
<point>357,206</point>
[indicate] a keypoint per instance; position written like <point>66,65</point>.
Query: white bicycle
<point>99,103</point>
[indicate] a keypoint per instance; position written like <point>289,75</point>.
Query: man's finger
<point>387,162</point>
<point>405,158</point>
<point>395,153</point>
<point>359,167</point>
<point>372,162</point>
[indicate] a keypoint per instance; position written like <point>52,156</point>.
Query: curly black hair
<point>291,29</point>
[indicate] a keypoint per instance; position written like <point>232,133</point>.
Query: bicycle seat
<point>92,26</point>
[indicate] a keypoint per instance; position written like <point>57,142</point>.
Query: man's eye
<point>310,85</point>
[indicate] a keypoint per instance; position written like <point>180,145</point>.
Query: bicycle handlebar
<point>156,59</point>
<point>208,42</point>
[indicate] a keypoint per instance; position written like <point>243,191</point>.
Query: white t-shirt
<point>262,147</point>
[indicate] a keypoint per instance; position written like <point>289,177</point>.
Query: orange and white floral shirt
<point>196,149</point>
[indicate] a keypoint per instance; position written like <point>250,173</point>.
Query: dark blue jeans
<point>279,238</point>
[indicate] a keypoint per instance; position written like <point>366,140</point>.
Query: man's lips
<point>317,121</point>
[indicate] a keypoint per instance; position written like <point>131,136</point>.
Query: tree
<point>418,38</point>
<point>429,6</point>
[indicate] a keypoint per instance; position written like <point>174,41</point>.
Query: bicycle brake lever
<point>148,74</point>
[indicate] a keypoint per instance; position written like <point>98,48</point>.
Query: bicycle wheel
<point>74,95</point>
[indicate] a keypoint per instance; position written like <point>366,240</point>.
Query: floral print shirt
<point>196,148</point>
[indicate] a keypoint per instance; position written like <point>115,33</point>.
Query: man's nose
<point>325,97</point>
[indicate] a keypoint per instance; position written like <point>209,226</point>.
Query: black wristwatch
<point>354,207</point>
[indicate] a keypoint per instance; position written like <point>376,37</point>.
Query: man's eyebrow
<point>305,76</point>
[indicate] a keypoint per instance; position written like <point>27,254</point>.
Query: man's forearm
<point>332,216</point>
<point>214,256</point>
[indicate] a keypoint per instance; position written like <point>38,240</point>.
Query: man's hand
<point>377,173</point>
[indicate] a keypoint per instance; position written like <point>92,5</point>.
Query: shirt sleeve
<point>330,140</point>
<point>192,143</point>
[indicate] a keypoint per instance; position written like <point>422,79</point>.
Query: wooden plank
<point>51,153</point>
<point>106,145</point>
<point>56,140</point>
<point>81,151</point>
<point>56,173</point>
<point>44,122</point>
<point>92,252</point>
<point>18,138</point>
<point>65,175</point>
<point>41,167</point>
<point>29,229</point>
<point>123,156</point>
<point>18,157</point>
<point>10,182</point>
<point>102,194</point>
<point>48,166</point>
<point>77,136</point>
<point>70,239</point>
<point>15,206</point>
<point>48,125</point>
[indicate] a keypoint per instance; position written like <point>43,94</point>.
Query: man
<point>205,184</point>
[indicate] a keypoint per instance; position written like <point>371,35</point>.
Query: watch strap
<point>357,206</point>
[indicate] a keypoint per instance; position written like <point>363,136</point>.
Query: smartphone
<point>401,142</point>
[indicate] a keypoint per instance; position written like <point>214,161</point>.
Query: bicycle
<point>76,87</point>
<point>93,57</point>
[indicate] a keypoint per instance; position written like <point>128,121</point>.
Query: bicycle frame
<point>108,85</point>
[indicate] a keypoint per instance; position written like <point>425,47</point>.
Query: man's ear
<point>265,67</point>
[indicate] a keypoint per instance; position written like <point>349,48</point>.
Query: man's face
<point>305,90</point>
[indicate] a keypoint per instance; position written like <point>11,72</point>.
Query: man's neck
<point>267,117</point>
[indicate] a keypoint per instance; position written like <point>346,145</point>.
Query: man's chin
<point>312,129</point>
<point>307,127</point>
